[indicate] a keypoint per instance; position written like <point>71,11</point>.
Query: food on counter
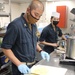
<point>41,70</point>
<point>47,70</point>
<point>61,48</point>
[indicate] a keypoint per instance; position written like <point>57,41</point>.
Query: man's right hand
<point>23,68</point>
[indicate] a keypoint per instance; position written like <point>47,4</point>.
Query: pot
<point>70,47</point>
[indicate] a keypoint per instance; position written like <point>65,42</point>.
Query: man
<point>50,33</point>
<point>20,41</point>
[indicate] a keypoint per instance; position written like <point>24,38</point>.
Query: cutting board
<point>48,70</point>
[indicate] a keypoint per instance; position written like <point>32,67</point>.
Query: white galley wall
<point>4,20</point>
<point>51,7</point>
<point>15,12</point>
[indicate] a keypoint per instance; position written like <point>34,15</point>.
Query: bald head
<point>36,4</point>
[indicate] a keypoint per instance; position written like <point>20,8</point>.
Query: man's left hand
<point>45,55</point>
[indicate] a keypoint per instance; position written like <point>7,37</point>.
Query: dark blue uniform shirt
<point>21,40</point>
<point>49,35</point>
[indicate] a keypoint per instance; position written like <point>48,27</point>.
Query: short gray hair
<point>35,4</point>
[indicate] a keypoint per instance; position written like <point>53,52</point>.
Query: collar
<point>52,26</point>
<point>25,24</point>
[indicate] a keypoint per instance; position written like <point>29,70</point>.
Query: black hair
<point>52,17</point>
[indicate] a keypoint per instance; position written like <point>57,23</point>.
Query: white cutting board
<point>48,70</point>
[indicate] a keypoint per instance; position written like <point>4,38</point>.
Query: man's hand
<point>54,44</point>
<point>45,55</point>
<point>23,68</point>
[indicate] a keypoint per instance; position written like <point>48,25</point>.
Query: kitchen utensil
<point>70,48</point>
<point>62,43</point>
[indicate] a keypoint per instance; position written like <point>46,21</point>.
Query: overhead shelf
<point>4,14</point>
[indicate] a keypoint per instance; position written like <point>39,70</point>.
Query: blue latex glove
<point>67,36</point>
<point>45,55</point>
<point>23,68</point>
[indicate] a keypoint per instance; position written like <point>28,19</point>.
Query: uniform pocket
<point>25,47</point>
<point>24,41</point>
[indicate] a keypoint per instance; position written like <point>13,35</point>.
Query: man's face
<point>34,15</point>
<point>37,13</point>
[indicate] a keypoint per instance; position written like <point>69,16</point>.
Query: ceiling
<point>25,1</point>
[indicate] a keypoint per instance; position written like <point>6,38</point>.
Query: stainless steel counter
<point>54,61</point>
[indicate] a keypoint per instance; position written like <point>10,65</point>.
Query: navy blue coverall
<point>21,40</point>
<point>49,35</point>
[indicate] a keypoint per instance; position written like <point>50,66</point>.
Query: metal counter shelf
<point>5,65</point>
<point>5,69</point>
<point>54,61</point>
<point>2,33</point>
<point>0,50</point>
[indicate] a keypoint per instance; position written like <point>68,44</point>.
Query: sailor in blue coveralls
<point>50,33</point>
<point>20,41</point>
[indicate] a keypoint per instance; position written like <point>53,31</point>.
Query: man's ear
<point>28,9</point>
